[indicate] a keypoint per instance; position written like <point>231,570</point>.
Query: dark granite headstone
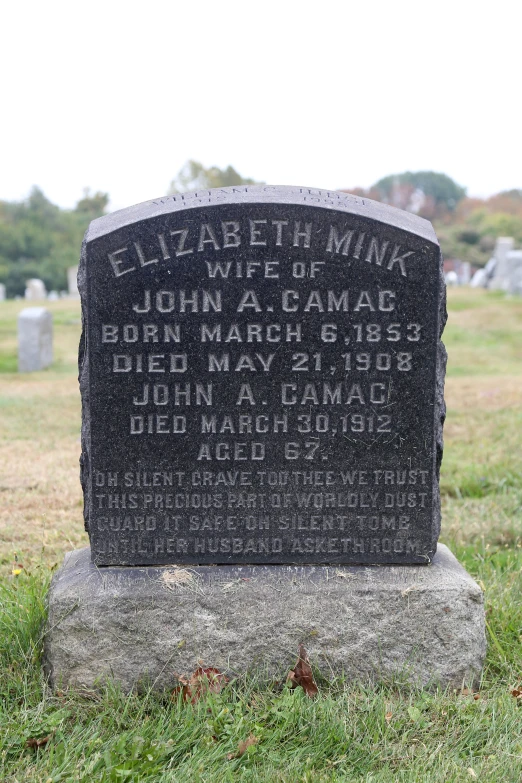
<point>262,380</point>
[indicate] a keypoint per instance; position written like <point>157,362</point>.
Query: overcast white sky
<point>116,96</point>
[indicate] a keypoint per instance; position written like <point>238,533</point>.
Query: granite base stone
<point>423,624</point>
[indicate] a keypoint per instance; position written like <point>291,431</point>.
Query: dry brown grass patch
<point>484,392</point>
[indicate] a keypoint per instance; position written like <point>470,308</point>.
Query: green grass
<point>66,328</point>
<point>351,732</point>
<point>488,458</point>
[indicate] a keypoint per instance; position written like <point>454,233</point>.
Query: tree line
<point>39,239</point>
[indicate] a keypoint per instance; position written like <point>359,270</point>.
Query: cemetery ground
<point>350,731</point>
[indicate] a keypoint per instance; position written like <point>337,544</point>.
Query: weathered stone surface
<point>423,624</point>
<point>35,339</point>
<point>2,292</point>
<point>266,365</point>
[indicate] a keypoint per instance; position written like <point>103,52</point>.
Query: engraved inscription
<point>235,234</point>
<point>262,383</point>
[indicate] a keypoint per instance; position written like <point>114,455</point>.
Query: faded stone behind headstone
<point>479,279</point>
<point>2,292</point>
<point>35,339</point>
<point>503,246</point>
<point>514,279</point>
<point>35,290</point>
<point>465,273</point>
<point>266,365</point>
<point>53,296</point>
<point>72,282</point>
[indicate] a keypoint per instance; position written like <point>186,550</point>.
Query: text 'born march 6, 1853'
<point>262,381</point>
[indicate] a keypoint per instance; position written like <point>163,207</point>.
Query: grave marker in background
<point>514,283</point>
<point>506,266</point>
<point>503,246</point>
<point>35,290</point>
<point>72,283</point>
<point>35,339</point>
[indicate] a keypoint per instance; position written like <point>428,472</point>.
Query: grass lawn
<point>350,732</point>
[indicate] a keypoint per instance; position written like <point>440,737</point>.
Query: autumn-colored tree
<point>427,193</point>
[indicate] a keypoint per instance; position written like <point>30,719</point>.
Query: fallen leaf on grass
<point>203,681</point>
<point>37,742</point>
<point>243,747</point>
<point>472,772</point>
<point>302,675</point>
<point>388,717</point>
<point>469,692</point>
<point>517,693</point>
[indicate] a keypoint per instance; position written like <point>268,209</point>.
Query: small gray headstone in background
<point>465,273</point>
<point>53,296</point>
<point>479,279</point>
<point>2,292</point>
<point>35,290</point>
<point>503,246</point>
<point>72,283</point>
<point>514,272</point>
<point>35,339</point>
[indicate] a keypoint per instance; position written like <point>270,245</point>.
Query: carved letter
<point>336,245</point>
<point>396,259</point>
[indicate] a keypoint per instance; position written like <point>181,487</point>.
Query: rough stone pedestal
<point>424,624</point>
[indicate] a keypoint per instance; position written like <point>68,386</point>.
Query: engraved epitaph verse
<point>261,381</point>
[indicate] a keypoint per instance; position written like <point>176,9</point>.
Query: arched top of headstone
<point>262,378</point>
<point>264,194</point>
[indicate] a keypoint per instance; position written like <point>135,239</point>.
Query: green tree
<point>497,224</point>
<point>92,205</point>
<point>194,176</point>
<point>38,239</point>
<point>426,192</point>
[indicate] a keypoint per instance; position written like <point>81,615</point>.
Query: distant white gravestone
<point>35,339</point>
<point>2,292</point>
<point>35,290</point>
<point>72,283</point>
<point>501,273</point>
<point>514,283</point>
